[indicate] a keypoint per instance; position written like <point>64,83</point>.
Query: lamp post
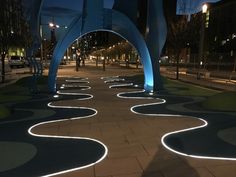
<point>202,37</point>
<point>53,26</point>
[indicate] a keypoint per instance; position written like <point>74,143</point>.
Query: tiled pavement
<point>133,141</point>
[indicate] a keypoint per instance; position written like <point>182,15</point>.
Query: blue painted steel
<point>85,24</point>
<point>90,20</point>
<point>124,27</point>
<point>32,10</point>
<point>186,7</point>
<point>156,37</point>
<point>94,17</point>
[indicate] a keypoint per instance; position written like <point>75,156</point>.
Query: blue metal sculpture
<point>32,10</point>
<point>92,16</point>
<point>156,37</point>
<point>95,18</point>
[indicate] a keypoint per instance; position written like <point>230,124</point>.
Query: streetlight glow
<point>204,8</point>
<point>51,24</point>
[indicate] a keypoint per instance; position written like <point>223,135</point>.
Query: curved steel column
<point>120,25</point>
<point>156,37</point>
<point>124,27</point>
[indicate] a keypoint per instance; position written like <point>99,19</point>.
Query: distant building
<point>221,29</point>
<point>12,27</point>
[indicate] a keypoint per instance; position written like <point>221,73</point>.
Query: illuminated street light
<point>53,25</point>
<point>202,38</point>
<point>204,8</point>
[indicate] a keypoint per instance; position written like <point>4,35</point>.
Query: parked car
<point>16,61</point>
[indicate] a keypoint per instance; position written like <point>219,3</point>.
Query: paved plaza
<point>133,140</point>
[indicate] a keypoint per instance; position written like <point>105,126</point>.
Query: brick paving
<point>133,141</point>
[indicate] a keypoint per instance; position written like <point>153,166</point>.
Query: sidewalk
<point>210,82</point>
<point>133,140</point>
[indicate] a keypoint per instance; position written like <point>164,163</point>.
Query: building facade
<point>13,28</point>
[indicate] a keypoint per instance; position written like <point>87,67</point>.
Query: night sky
<point>62,12</point>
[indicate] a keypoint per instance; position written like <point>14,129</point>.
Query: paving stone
<point>126,150</point>
<point>188,172</point>
<point>133,140</point>
<point>119,166</point>
<point>155,174</point>
<point>223,171</point>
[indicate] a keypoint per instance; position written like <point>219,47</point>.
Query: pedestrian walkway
<point>133,140</point>
<point>219,83</point>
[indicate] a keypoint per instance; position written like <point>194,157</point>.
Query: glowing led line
<point>74,77</point>
<point>113,80</point>
<point>81,78</point>
<point>78,81</point>
<point>77,94</point>
<point>121,85</point>
<point>109,77</point>
<point>191,155</point>
<point>76,86</point>
<point>71,107</point>
<point>148,104</point>
<point>142,91</point>
<point>69,137</point>
<point>205,123</point>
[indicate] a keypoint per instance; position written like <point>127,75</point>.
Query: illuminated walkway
<point>133,140</point>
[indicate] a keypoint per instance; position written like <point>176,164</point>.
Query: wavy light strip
<point>113,80</point>
<point>148,104</point>
<point>109,77</point>
<point>121,85</point>
<point>205,123</point>
<point>69,137</point>
<point>74,77</point>
<point>142,91</point>
<point>56,96</point>
<point>76,94</point>
<point>77,81</point>
<point>63,86</point>
<point>80,78</point>
<point>71,107</point>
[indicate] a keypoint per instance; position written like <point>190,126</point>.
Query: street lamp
<point>53,25</point>
<point>202,36</point>
<point>204,8</point>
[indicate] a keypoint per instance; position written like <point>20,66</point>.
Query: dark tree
<point>13,29</point>
<point>182,32</point>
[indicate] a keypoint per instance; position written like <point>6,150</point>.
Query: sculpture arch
<point>118,25</point>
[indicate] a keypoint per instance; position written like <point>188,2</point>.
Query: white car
<point>16,61</point>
